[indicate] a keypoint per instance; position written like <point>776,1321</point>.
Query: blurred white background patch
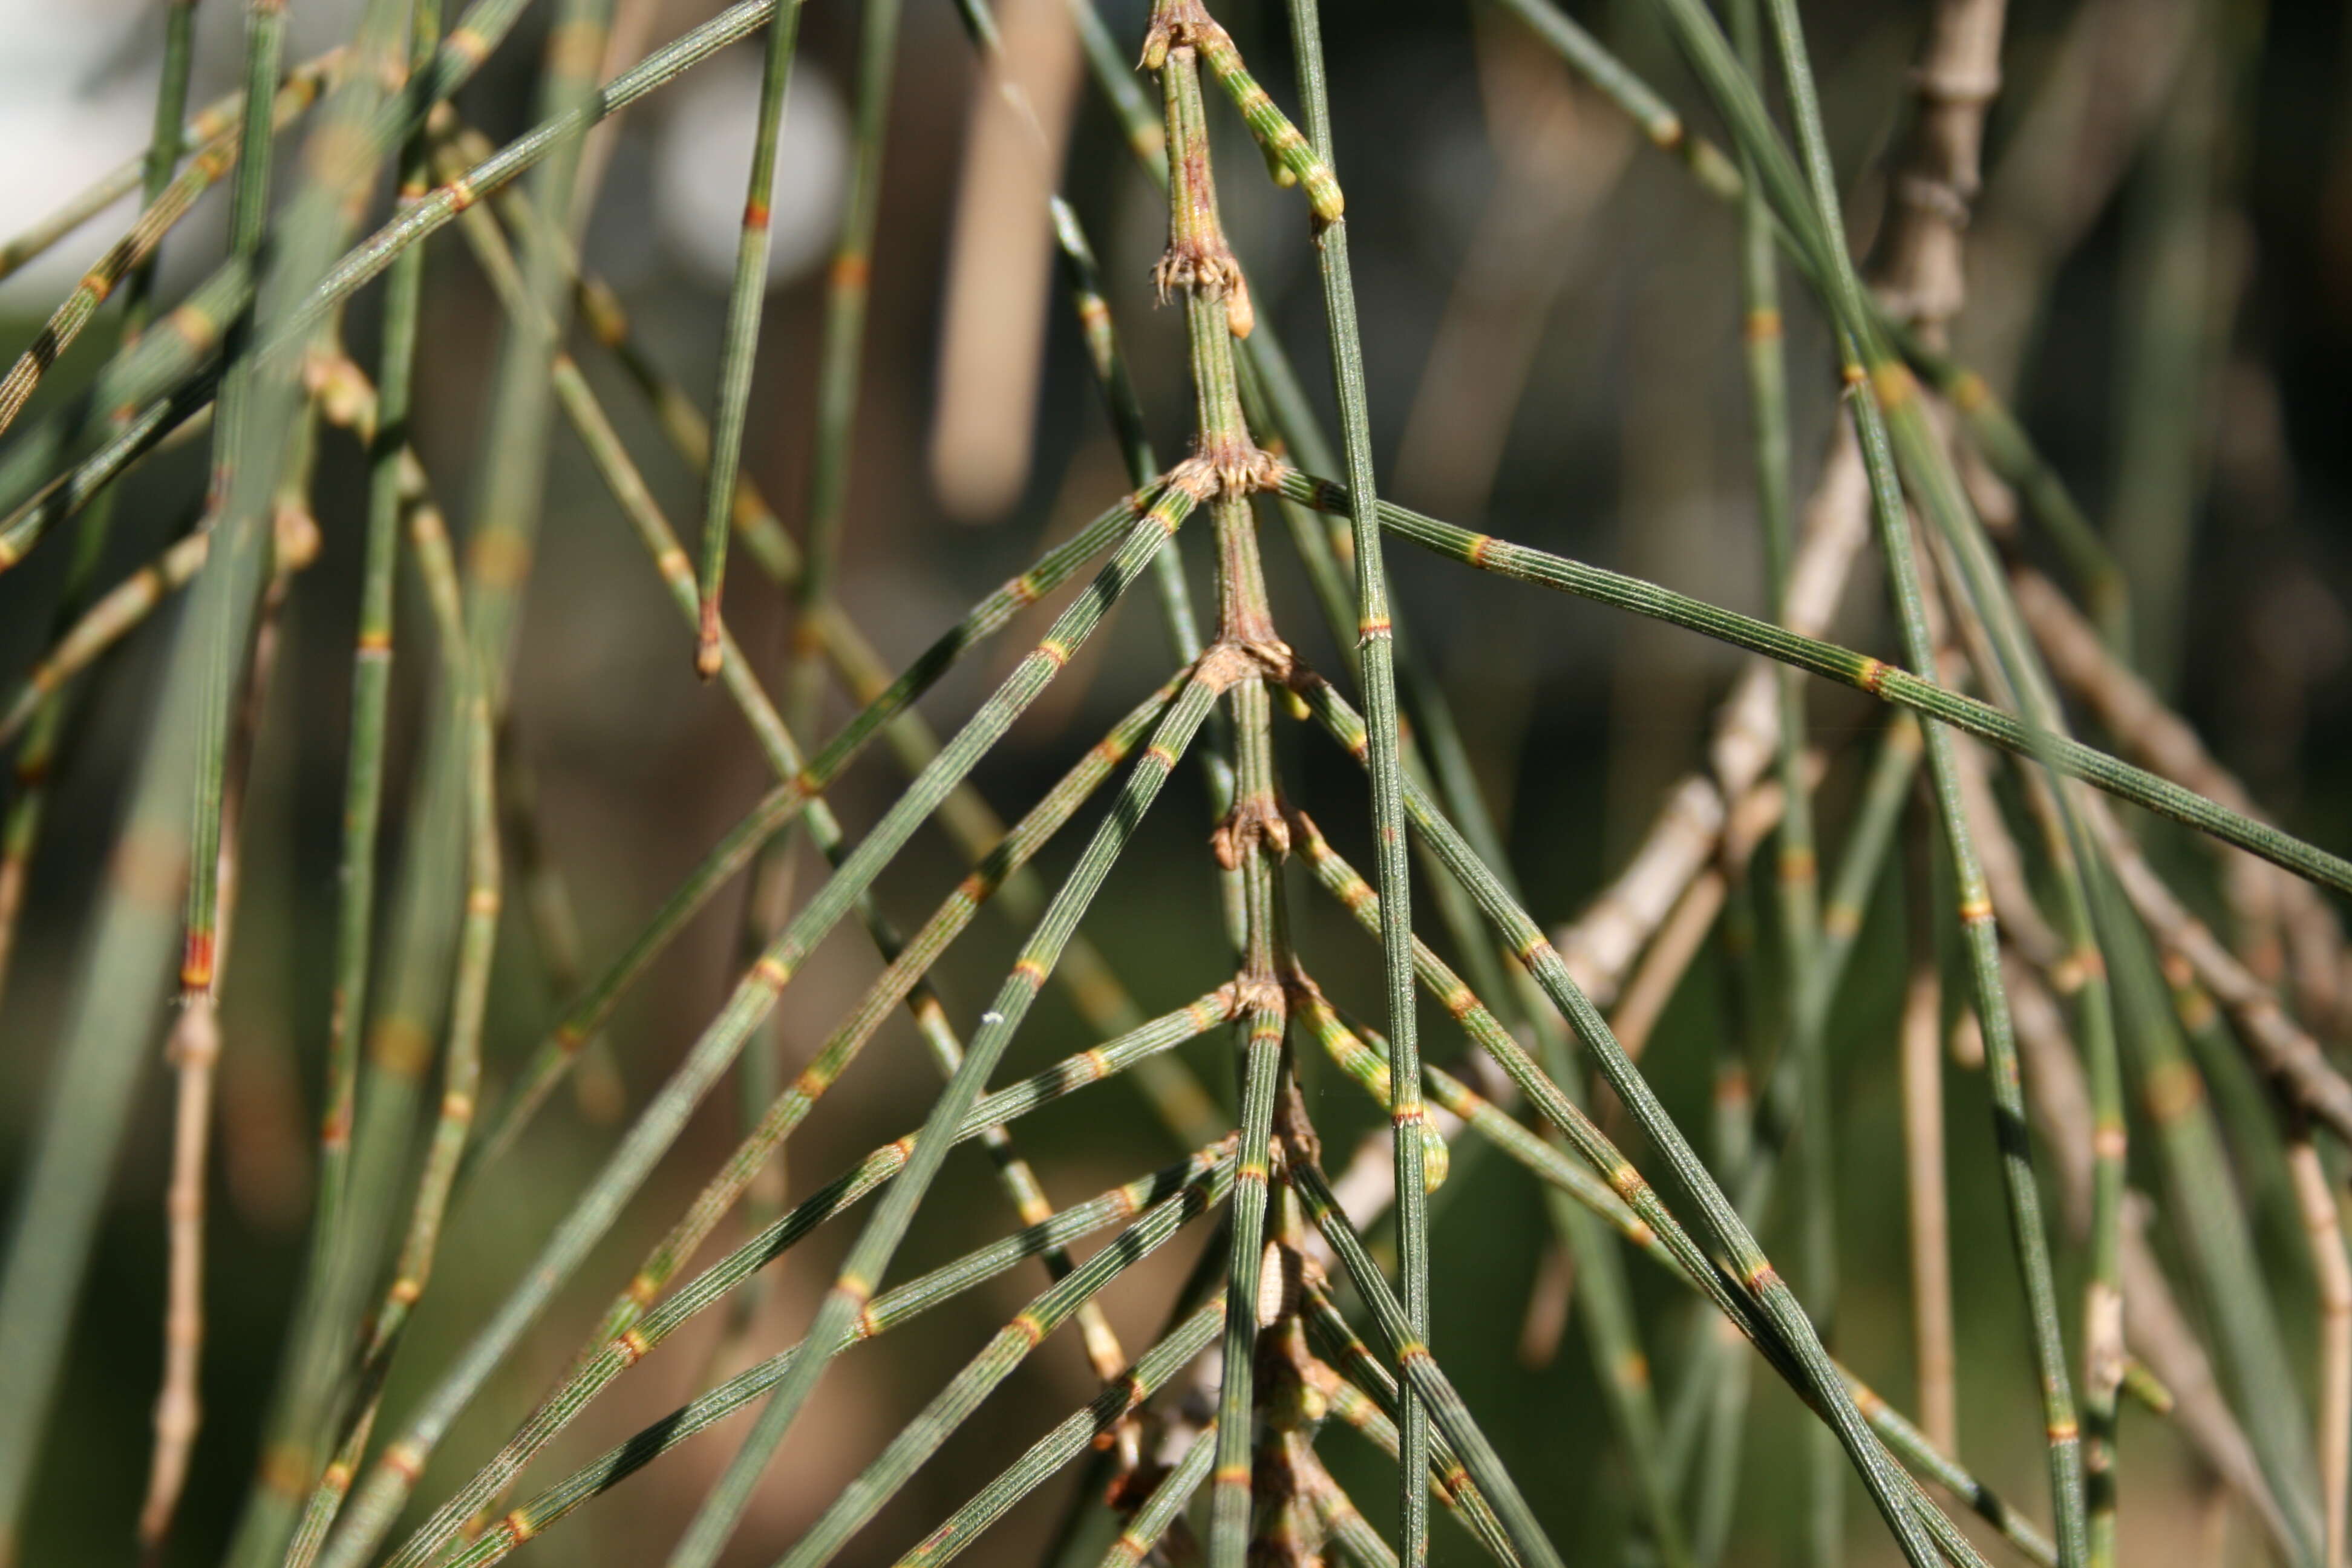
<point>78,85</point>
<point>78,92</point>
<point>702,157</point>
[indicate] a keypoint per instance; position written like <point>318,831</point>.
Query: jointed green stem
<point>1371,1409</point>
<point>1766,1291</point>
<point>1847,668</point>
<point>230,584</point>
<point>20,829</point>
<point>1376,671</point>
<point>857,1503</point>
<point>1092,986</point>
<point>133,257</point>
<point>1627,1203</point>
<point>1066,1441</point>
<point>853,1288</point>
<point>1164,1506</point>
<point>1417,1368</point>
<point>148,171</point>
<point>753,997</point>
<point>462,1064</point>
<point>2077,1541</point>
<point>739,349</point>
<point>1796,882</point>
<point>161,361</point>
<point>831,1061</point>
<point>887,1312</point>
<point>783,805</point>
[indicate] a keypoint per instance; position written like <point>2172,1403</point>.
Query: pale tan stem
<point>1931,1261</point>
<point>2333,1273</point>
<point>1600,945</point>
<point>1917,269</point>
<point>999,277</point>
<point>194,1050</point>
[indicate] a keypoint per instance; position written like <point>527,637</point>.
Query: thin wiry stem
<point>1767,1291</point>
<point>1899,687</point>
<point>161,362</point>
<point>896,982</point>
<point>194,1050</point>
<point>230,583</point>
<point>461,1067</point>
<point>738,348</point>
<point>863,1498</point>
<point>2324,1230</point>
<point>754,996</point>
<point>1251,840</point>
<point>2142,728</point>
<point>887,1310</point>
<point>635,1325</point>
<point>2212,1224</point>
<point>1796,882</point>
<point>1621,1197</point>
<point>1083,973</point>
<point>1417,1367</point>
<point>630,490</point>
<point>134,255</point>
<point>2160,1331</point>
<point>853,1287</point>
<point>848,289</point>
<point>147,170</point>
<point>1376,671</point>
<point>113,617</point>
<point>1279,409</point>
<point>328,1277</point>
<point>2077,1542</point>
<point>587,1013</point>
<point>1166,1504</point>
<point>1151,1371</point>
<point>1370,1410</point>
<point>1954,82</point>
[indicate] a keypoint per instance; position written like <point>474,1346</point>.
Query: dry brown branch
<point>2333,1271</point>
<point>2069,152</point>
<point>1000,277</point>
<point>1683,839</point>
<point>1931,1264</point>
<point>1918,269</point>
<point>2261,895</point>
<point>2281,1046</point>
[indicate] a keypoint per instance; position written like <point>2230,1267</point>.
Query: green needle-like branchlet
<point>857,1503</point>
<point>1764,1288</point>
<point>753,997</point>
<point>1375,646</point>
<point>1165,1505</point>
<point>1899,687</point>
<point>739,349</point>
<point>785,804</point>
<point>854,1286</point>
<point>1419,1370</point>
<point>888,1310</point>
<point>1068,1440</point>
<point>1624,1200</point>
<point>2077,1542</point>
